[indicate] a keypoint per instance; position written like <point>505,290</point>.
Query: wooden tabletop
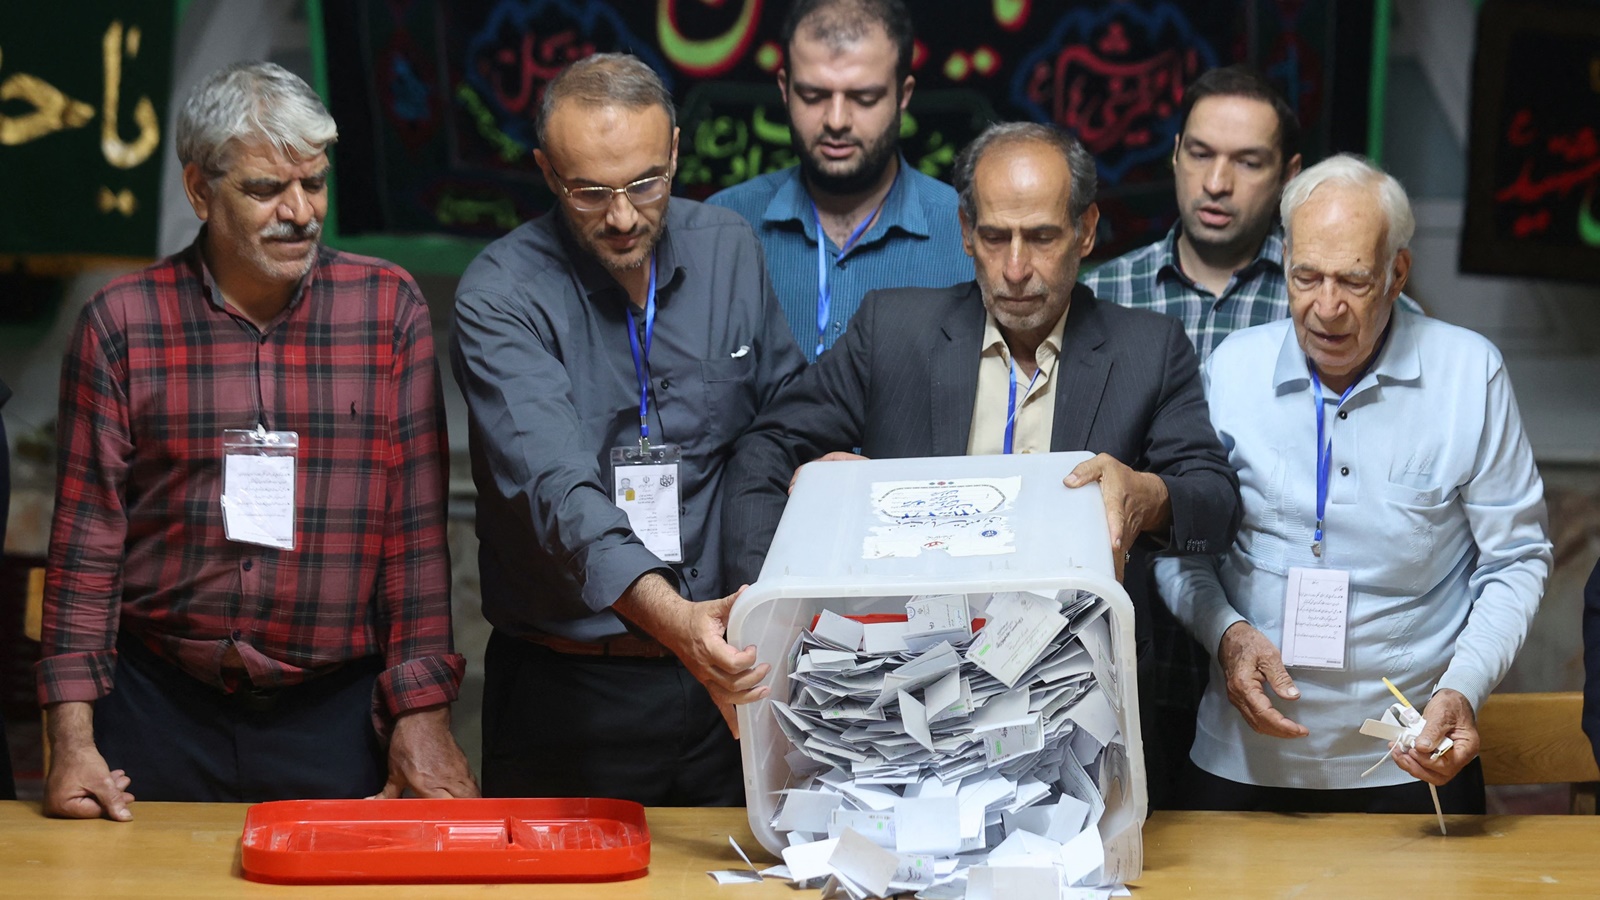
<point>192,850</point>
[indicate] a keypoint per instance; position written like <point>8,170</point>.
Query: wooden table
<point>192,850</point>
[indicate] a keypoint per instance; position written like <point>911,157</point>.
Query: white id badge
<point>1316,609</point>
<point>645,485</point>
<point>258,486</point>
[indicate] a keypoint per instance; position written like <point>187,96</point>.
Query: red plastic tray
<point>420,841</point>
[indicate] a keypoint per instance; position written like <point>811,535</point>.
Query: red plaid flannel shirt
<point>158,367</point>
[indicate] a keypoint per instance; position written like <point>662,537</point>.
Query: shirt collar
<point>195,256</point>
<point>902,208</point>
<point>1399,362</point>
<point>994,343</point>
<point>1269,256</point>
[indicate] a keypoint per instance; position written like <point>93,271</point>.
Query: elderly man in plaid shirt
<point>248,592</point>
<point>1219,269</point>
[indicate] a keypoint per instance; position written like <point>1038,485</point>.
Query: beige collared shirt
<point>1036,405</point>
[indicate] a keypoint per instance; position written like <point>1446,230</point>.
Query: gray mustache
<point>289,231</point>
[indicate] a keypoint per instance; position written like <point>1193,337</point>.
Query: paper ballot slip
<point>1016,636</point>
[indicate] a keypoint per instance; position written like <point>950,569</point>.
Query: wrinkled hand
<point>730,675</point>
<point>1248,660</point>
<point>1449,715</point>
<point>81,786</point>
<point>424,757</point>
<point>835,456</point>
<point>694,632</point>
<point>1136,502</point>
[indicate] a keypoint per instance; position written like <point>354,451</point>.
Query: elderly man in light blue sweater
<point>1394,526</point>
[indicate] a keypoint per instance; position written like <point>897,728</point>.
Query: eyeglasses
<point>593,198</point>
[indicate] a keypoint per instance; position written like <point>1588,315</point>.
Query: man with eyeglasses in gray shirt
<point>610,354</point>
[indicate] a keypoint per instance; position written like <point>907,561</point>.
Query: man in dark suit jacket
<point>923,372</point>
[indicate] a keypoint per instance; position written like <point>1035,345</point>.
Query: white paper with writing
<point>1315,614</point>
<point>1015,637</point>
<point>960,516</point>
<point>875,825</point>
<point>934,618</point>
<point>258,499</point>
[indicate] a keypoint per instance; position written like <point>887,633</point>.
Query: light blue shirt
<point>1435,508</point>
<point>916,242</point>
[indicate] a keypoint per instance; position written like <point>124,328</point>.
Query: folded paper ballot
<point>966,766</point>
<point>930,620</point>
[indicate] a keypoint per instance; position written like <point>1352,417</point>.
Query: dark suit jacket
<point>902,381</point>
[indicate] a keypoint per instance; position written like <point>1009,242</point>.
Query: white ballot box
<point>995,725</point>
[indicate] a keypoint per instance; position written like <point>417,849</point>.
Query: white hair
<point>1356,171</point>
<point>246,102</point>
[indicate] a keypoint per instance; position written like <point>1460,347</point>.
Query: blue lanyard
<point>641,362</point>
<point>824,294</point>
<point>1324,456</point>
<point>1325,445</point>
<point>1011,405</point>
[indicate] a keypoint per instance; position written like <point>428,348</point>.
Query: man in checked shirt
<point>196,647</point>
<point>1219,269</point>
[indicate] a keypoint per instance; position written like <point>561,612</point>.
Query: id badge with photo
<point>258,486</point>
<point>645,485</point>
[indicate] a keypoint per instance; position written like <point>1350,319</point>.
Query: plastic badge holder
<point>431,841</point>
<point>816,563</point>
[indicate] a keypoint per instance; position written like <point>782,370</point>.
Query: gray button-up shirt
<point>541,351</point>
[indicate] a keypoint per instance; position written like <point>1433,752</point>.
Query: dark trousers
<point>1173,670</point>
<point>180,739</point>
<point>8,787</point>
<point>562,725</point>
<point>1168,730</point>
<point>1464,795</point>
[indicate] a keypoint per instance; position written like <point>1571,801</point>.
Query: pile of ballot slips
<point>935,760</point>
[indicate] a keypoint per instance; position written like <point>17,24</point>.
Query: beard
<point>592,239</point>
<point>874,161</point>
<point>1240,241</point>
<point>1051,302</point>
<point>279,269</point>
<point>1045,314</point>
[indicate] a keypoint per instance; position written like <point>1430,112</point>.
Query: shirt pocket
<point>1414,478</point>
<point>731,402</point>
<point>1413,495</point>
<point>1408,526</point>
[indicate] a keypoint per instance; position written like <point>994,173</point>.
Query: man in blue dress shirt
<point>1394,527</point>
<point>853,216</point>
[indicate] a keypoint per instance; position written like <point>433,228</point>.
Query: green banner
<point>83,105</point>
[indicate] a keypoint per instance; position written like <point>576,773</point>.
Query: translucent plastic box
<point>819,561</point>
